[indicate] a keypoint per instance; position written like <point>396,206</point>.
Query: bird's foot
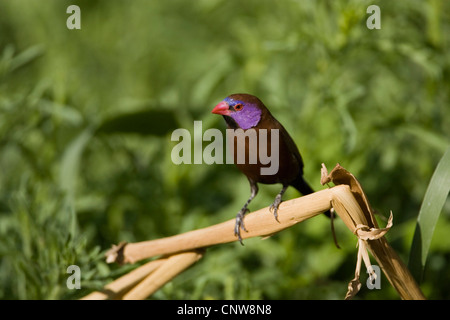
<point>240,224</point>
<point>274,207</point>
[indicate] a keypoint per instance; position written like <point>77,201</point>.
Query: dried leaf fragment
<point>365,233</point>
<point>353,288</point>
<point>115,254</point>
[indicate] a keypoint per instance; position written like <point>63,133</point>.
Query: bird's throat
<point>230,122</point>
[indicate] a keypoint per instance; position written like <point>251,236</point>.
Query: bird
<point>246,112</point>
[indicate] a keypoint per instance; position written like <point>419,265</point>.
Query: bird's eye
<point>238,107</point>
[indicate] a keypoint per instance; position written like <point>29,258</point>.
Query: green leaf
<point>70,166</point>
<point>70,161</point>
<point>9,62</point>
<point>26,56</point>
<point>430,210</point>
<point>145,122</point>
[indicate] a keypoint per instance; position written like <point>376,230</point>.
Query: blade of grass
<point>68,175</point>
<point>430,210</point>
<point>70,161</point>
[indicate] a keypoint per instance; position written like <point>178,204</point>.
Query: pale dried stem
<point>172,267</point>
<point>117,288</point>
<point>395,270</point>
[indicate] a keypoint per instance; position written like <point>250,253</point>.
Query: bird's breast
<point>263,155</point>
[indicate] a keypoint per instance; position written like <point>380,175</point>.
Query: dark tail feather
<point>303,187</point>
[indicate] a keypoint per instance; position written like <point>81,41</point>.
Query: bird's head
<point>240,110</point>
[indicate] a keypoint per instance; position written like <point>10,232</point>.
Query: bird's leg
<point>274,206</point>
<point>240,216</point>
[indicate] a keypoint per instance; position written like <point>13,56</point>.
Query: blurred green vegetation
<point>86,117</point>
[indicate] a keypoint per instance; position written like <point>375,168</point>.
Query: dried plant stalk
<point>354,209</point>
<point>395,270</point>
<point>117,288</point>
<point>167,271</point>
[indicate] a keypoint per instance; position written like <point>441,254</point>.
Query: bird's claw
<point>240,224</point>
<point>274,208</point>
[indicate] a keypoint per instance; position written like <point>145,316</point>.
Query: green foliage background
<point>86,117</point>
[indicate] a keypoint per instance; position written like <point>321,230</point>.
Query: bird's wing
<point>284,136</point>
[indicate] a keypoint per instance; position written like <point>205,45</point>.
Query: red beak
<point>222,108</point>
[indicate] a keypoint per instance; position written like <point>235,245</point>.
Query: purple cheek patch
<point>248,117</point>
